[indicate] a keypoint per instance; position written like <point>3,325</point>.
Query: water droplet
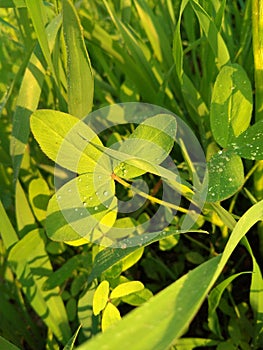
<point>123,246</point>
<point>230,179</point>
<point>220,170</point>
<point>85,204</point>
<point>96,208</point>
<point>220,152</point>
<point>59,197</point>
<point>76,209</point>
<point>69,190</point>
<point>90,198</point>
<point>79,179</point>
<point>100,177</point>
<point>105,193</point>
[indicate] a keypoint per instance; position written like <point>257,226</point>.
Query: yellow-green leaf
<point>101,296</point>
<point>80,78</point>
<point>110,316</point>
<point>127,288</point>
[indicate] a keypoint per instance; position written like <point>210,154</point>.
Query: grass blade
<point>7,231</point>
<point>28,98</point>
<point>80,77</point>
<point>37,13</point>
<point>31,264</point>
<point>212,34</point>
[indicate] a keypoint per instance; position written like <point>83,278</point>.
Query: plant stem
<point>148,196</point>
<point>257,23</point>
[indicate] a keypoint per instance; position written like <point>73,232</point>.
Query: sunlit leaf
<point>80,77</point>
<point>110,316</point>
<point>125,289</point>
<point>101,297</point>
<point>231,104</point>
<point>226,176</point>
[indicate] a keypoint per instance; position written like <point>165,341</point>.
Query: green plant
<point>62,268</point>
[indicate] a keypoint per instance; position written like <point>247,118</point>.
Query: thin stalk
<point>257,27</point>
<point>148,196</point>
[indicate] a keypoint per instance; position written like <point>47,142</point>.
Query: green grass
<point>182,286</point>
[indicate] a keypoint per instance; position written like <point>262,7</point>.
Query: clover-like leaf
<point>231,104</point>
<point>64,139</point>
<point>126,288</point>
<point>83,208</point>
<point>226,175</point>
<point>110,316</point>
<point>249,144</point>
<point>151,141</point>
<point>101,296</point>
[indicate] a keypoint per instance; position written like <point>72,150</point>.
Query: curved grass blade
<point>37,13</point>
<point>162,320</point>
<point>212,34</point>
<point>80,77</point>
<point>28,97</point>
<point>32,266</point>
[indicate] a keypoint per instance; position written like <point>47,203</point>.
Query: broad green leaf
<point>213,302</point>
<point>101,297</point>
<point>79,73</point>
<point>110,316</point>
<point>168,242</point>
<point>226,176</point>
<point>169,313</point>
<point>58,277</point>
<point>6,345</point>
<point>191,343</point>
<point>24,216</point>
<point>125,289</point>
<point>138,298</point>
<point>249,144</point>
<point>131,259</point>
<point>212,34</point>
<point>111,255</point>
<point>12,3</point>
<point>64,139</point>
<point>31,264</point>
<point>164,318</point>
<point>85,207</point>
<point>152,141</point>
<point>20,321</point>
<point>87,319</point>
<point>38,196</point>
<point>71,308</point>
<point>8,234</point>
<point>231,104</point>
<point>28,97</point>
